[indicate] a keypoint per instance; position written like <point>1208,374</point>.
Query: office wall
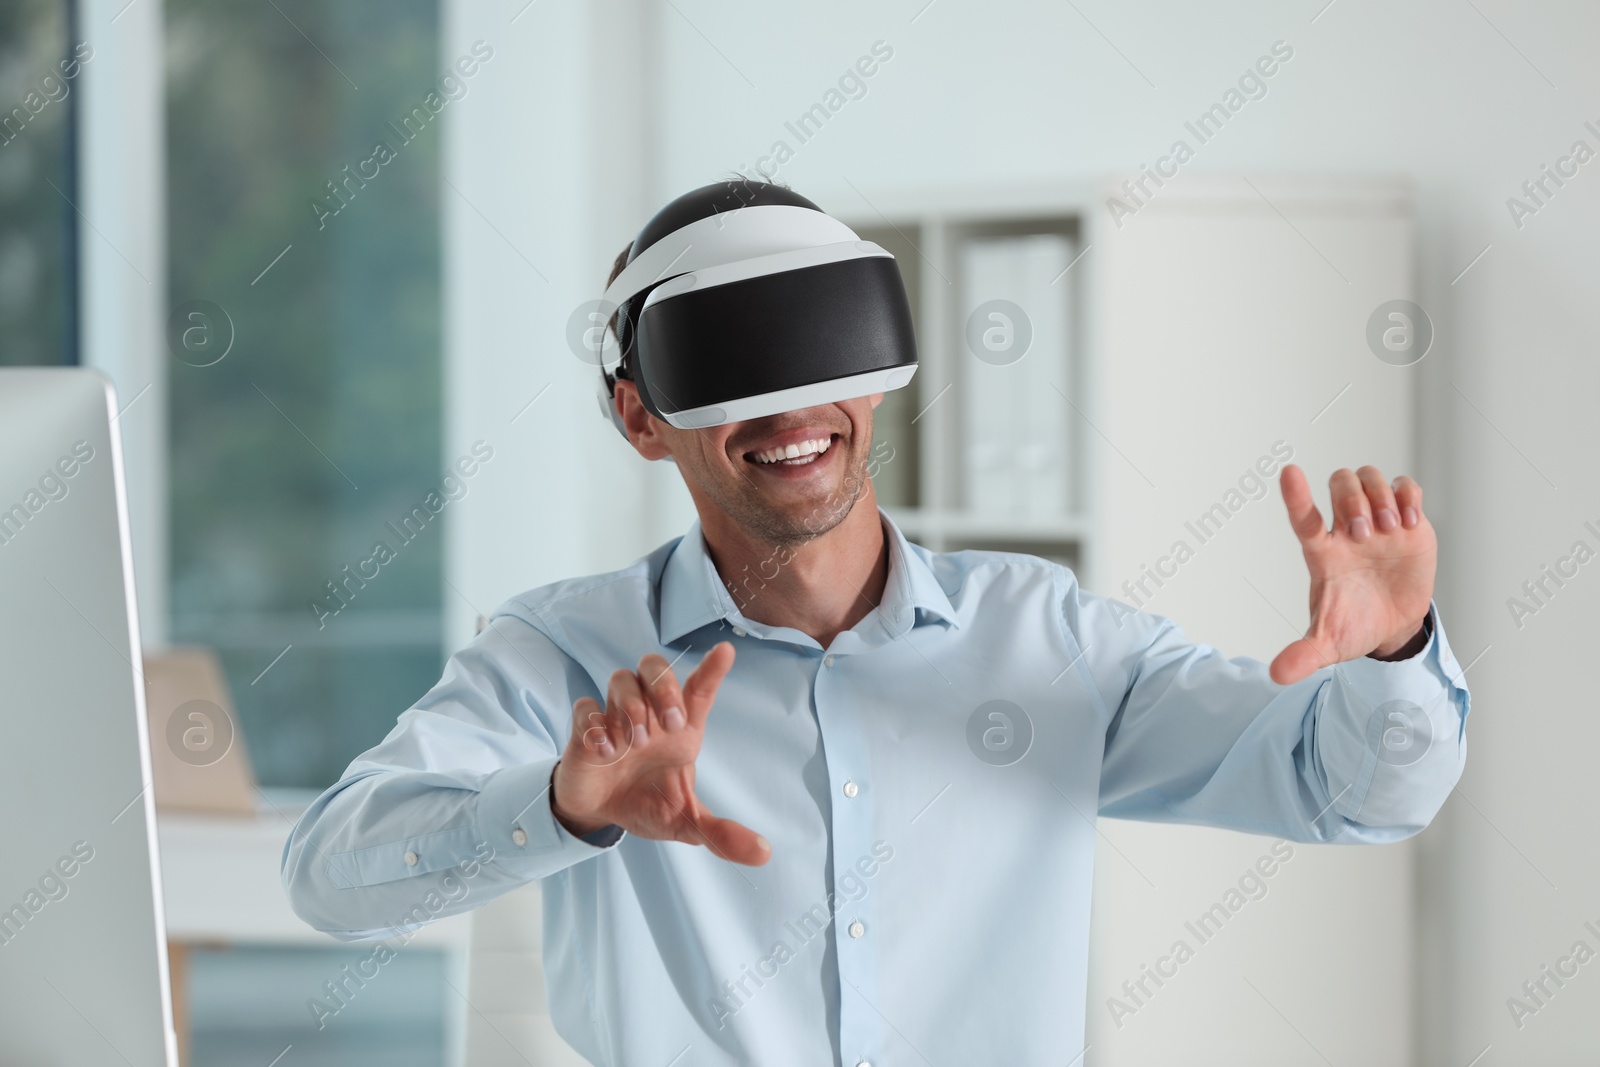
<point>545,184</point>
<point>1229,338</point>
<point>1467,99</point>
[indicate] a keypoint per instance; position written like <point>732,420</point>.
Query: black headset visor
<point>775,342</point>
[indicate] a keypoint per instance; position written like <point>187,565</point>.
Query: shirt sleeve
<point>452,809</point>
<point>1365,751</point>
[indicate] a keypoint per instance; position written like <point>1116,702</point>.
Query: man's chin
<point>800,515</point>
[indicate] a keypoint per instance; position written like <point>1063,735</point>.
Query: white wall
<point>122,245</point>
<point>1227,337</point>
<point>545,187</point>
<point>1457,96</point>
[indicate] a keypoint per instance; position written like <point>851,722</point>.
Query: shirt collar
<point>691,593</point>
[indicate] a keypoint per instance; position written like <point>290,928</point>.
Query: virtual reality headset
<point>742,300</point>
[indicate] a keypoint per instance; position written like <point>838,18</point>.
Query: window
<point>305,393</point>
<point>39,63</point>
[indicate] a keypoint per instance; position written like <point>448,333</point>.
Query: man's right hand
<point>632,764</point>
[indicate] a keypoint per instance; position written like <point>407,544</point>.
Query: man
<point>877,849</point>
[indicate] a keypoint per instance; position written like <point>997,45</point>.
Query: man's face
<point>783,479</point>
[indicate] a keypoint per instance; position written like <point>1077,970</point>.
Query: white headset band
<point>725,238</point>
<point>759,266</point>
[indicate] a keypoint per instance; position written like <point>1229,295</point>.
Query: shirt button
<point>738,631</point>
<point>519,837</point>
<point>850,789</point>
<point>827,661</point>
<point>411,859</point>
<point>857,929</point>
<point>863,1063</point>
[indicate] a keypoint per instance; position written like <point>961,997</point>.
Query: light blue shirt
<point>929,784</point>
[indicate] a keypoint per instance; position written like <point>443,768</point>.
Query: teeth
<point>794,451</point>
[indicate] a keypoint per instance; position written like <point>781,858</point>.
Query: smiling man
<point>860,831</point>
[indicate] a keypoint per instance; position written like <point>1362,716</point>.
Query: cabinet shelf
<point>976,440</point>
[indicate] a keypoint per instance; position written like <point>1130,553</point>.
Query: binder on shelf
<point>1016,426</point>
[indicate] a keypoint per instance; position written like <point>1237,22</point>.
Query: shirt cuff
<point>1421,679</point>
<point>514,817</point>
<point>1427,628</point>
<point>1393,728</point>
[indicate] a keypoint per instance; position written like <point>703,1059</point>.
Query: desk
<point>221,883</point>
<point>220,878</point>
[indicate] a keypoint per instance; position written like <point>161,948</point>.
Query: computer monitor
<point>83,962</point>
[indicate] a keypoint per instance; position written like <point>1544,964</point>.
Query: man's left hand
<point>1371,574</point>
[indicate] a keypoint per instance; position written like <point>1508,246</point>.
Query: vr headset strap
<point>726,238</point>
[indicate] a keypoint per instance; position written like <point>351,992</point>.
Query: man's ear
<point>644,429</point>
<point>876,398</point>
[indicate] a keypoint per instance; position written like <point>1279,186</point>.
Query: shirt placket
<point>854,925</point>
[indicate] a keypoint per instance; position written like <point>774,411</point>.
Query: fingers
<point>1304,518</point>
<point>661,689</point>
<point>598,735</point>
<point>730,840</point>
<point>1297,661</point>
<point>1380,498</point>
<point>1408,498</point>
<point>1351,511</point>
<point>625,701</point>
<point>700,688</point>
<point>694,825</point>
<point>646,701</point>
<point>1363,503</point>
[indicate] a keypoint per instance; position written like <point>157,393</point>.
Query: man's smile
<point>794,453</point>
